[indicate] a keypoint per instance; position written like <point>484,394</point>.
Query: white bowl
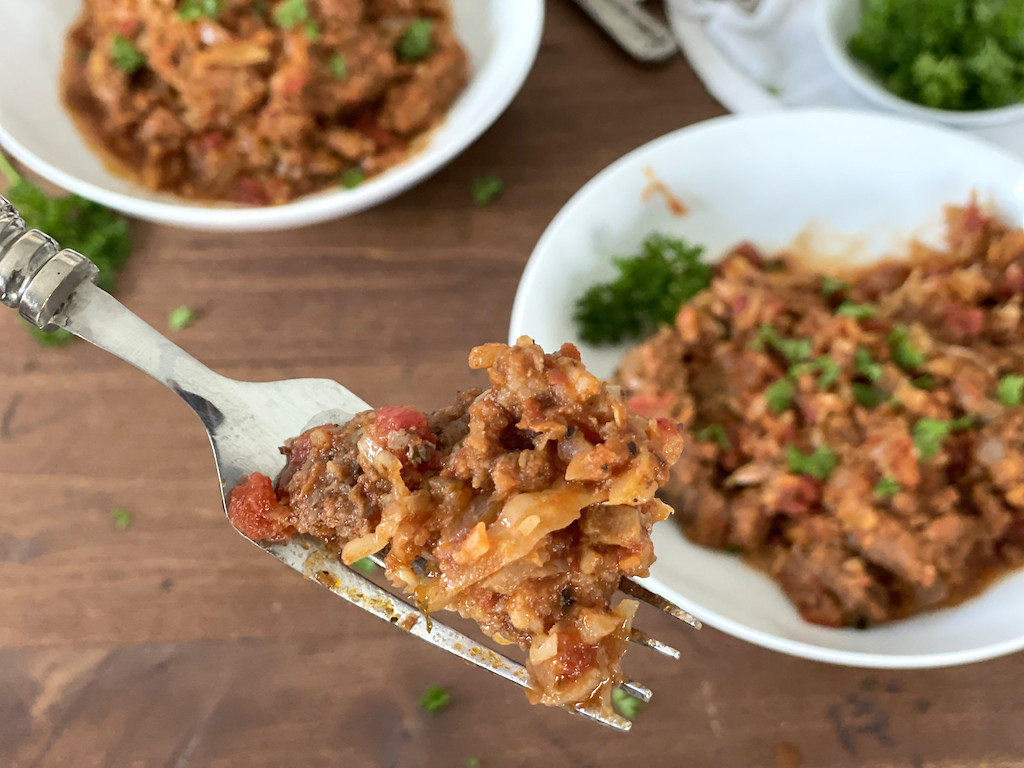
<point>857,182</point>
<point>838,21</point>
<point>501,36</point>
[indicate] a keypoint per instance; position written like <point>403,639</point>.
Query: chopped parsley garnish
<point>926,382</point>
<point>366,565</point>
<point>337,65</point>
<point>353,178</point>
<point>868,395</point>
<point>832,285</point>
<point>486,189</point>
<point>779,396</point>
<point>929,434</point>
<point>181,318</point>
<point>122,518</point>
<point>434,699</point>
<point>194,10</point>
<point>887,487</point>
<point>818,464</point>
<point>1010,390</point>
<point>866,366</point>
<point>126,56</point>
<point>903,352</point>
<point>828,368</point>
<point>75,223</point>
<point>416,42</point>
<point>794,350</point>
<point>856,311</point>
<point>648,291</point>
<point>472,762</point>
<point>291,13</point>
<point>627,706</point>
<point>715,433</point>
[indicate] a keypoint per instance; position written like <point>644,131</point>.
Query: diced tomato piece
<point>964,321</point>
<point>649,405</point>
<point>576,657</point>
<point>569,350</point>
<point>1013,281</point>
<point>255,511</point>
<point>251,191</point>
<point>668,426</point>
<point>367,125</point>
<point>974,219</point>
<point>402,417</point>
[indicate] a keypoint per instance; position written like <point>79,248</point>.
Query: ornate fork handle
<point>37,277</point>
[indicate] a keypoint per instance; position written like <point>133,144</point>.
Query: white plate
<point>857,179</point>
<point>501,36</point>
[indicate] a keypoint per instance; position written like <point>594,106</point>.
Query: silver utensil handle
<point>54,288</point>
<point>635,30</point>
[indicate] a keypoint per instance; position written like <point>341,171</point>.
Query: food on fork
<point>259,103</point>
<point>521,507</point>
<point>860,439</point>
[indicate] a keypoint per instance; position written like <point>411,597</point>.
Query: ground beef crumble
<point>528,502</point>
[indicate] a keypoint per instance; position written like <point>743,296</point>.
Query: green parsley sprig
<point>76,223</point>
<point>648,291</point>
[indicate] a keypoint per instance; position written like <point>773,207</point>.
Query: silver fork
<point>247,423</point>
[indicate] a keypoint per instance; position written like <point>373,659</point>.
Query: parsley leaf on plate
<point>122,518</point>
<point>887,487</point>
<point>779,396</point>
<point>902,350</point>
<point>1010,390</point>
<point>194,10</point>
<point>714,433</point>
<point>627,706</point>
<point>126,56</point>
<point>337,65</point>
<point>416,42</point>
<point>818,464</point>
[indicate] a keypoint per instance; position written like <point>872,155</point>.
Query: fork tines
<point>316,563</point>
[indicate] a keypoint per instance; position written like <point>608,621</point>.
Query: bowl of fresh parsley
<point>956,62</point>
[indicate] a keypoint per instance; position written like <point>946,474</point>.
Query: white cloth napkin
<point>771,58</point>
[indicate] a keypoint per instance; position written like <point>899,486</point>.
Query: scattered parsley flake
<point>856,311</point>
<point>826,366</point>
<point>486,189</point>
<point>868,395</point>
<point>1010,390</point>
<point>434,699</point>
<point>627,706</point>
<point>929,434</point>
<point>353,177</point>
<point>366,565</point>
<point>887,487</point>
<point>832,285</point>
<point>866,366</point>
<point>337,65</point>
<point>122,518</point>
<point>291,13</point>
<point>472,762</point>
<point>794,350</point>
<point>181,318</point>
<point>903,352</point>
<point>779,396</point>
<point>926,382</point>
<point>647,293</point>
<point>126,56</point>
<point>416,42</point>
<point>194,10</point>
<point>715,433</point>
<point>818,464</point>
<point>76,223</point>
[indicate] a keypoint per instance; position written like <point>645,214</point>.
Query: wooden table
<point>174,643</point>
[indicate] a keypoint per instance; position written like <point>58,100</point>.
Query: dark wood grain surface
<point>175,643</point>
